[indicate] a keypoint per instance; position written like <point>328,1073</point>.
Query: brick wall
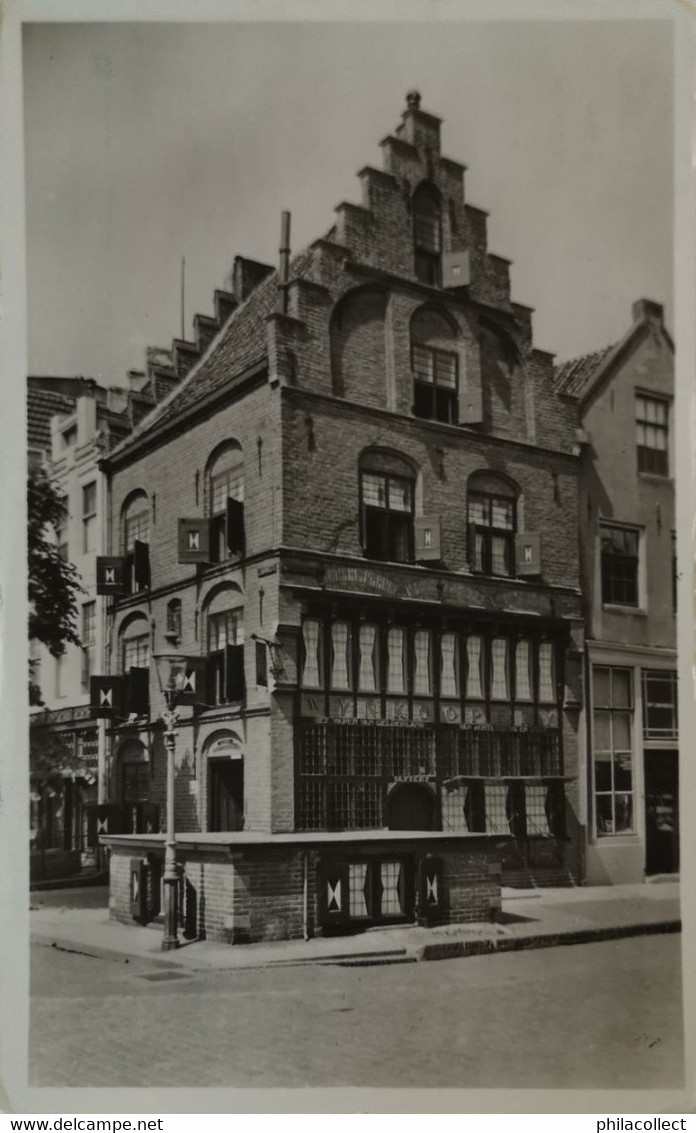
<point>257,894</point>
<point>321,483</point>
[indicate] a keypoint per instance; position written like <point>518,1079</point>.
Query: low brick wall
<point>269,890</point>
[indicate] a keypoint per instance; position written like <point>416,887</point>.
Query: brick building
<point>360,511</point>
<point>624,396</point>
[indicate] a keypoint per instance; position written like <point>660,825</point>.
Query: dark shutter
<point>334,893</point>
<point>138,889</point>
<point>106,697</point>
<point>475,808</point>
<point>110,575</point>
<point>471,545</point>
<point>195,685</point>
<point>138,692</point>
<point>141,565</point>
<point>516,810</point>
<point>235,527</point>
<point>556,809</point>
<point>431,888</point>
<point>194,541</point>
<point>234,672</point>
<point>261,664</point>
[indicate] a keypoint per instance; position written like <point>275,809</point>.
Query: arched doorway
<point>411,806</point>
<point>225,763</point>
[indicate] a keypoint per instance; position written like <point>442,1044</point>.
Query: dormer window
<point>427,235</point>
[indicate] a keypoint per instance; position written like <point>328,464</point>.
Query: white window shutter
<point>427,539</point>
<point>527,554</point>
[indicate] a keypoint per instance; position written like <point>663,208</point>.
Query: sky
<point>146,143</point>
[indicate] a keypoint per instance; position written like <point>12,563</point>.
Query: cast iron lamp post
<point>171,673</point>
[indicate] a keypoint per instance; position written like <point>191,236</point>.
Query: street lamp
<point>171,674</point>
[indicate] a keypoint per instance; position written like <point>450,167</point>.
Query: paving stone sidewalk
<point>530,919</point>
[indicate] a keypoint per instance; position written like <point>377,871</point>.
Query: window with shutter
<point>226,656</point>
<point>225,502</point>
<point>491,525</point>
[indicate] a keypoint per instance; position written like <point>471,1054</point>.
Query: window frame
<point>89,517</point>
<point>609,582</point>
<point>613,709</point>
<point>439,394</point>
<point>219,660</point>
<point>231,476</point>
<point>402,517</point>
<point>487,532</point>
<point>427,254</point>
<point>89,640</point>
<point>653,732</point>
<point>646,454</point>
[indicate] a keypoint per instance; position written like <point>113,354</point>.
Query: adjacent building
<point>624,396</point>
<point>357,518</point>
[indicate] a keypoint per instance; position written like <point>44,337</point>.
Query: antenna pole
<point>183,301</point>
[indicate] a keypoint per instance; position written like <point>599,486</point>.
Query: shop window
<point>547,675</point>
<point>449,667</point>
<point>523,670</point>
<point>492,523</point>
<point>396,661</point>
<point>652,425</point>
<point>500,672</point>
<point>474,673</point>
<point>226,656</point>
<point>422,679</point>
<point>225,503</point>
<point>427,234</point>
<point>312,650</point>
<point>612,693</point>
<point>340,656</point>
<point>387,515</point>
<point>619,551</point>
<point>368,668</point>
<point>660,705</point>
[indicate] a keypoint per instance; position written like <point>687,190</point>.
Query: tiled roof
<point>573,377</point>
<point>240,344</point>
<point>42,405</point>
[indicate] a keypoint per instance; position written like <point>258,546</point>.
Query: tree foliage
<point>53,583</point>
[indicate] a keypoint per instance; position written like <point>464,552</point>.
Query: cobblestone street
<point>489,1021</point>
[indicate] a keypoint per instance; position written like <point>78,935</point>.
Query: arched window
<point>387,489</point>
<point>225,501</point>
<point>174,619</point>
<point>427,234</point>
<point>135,540</point>
<point>435,366</point>
<point>492,523</point>
<point>225,629</point>
<point>135,641</point>
<point>357,339</point>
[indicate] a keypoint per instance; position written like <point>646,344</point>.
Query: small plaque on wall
<point>312,704</point>
<point>451,713</point>
<point>423,710</point>
<point>369,708</point>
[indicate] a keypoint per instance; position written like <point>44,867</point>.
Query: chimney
<point>647,310</point>
<point>246,275</point>
<point>284,265</point>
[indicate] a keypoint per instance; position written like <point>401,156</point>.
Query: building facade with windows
<point>628,552</point>
<point>362,521</point>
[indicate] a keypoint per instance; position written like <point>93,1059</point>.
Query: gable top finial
<point>413,100</point>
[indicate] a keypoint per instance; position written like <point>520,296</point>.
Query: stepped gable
<point>573,377</point>
<point>42,405</point>
<point>240,344</point>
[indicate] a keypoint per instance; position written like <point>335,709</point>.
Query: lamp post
<point>171,674</point>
